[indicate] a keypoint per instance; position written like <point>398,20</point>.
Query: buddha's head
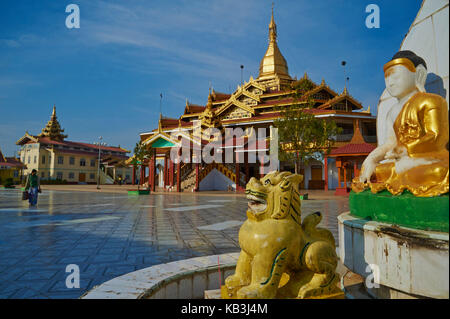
<point>405,73</point>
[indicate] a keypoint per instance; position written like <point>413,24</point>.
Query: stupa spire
<point>273,64</point>
<point>53,130</point>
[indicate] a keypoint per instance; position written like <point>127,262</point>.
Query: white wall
<point>216,181</point>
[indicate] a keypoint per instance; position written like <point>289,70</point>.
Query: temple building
<point>56,158</point>
<point>255,105</point>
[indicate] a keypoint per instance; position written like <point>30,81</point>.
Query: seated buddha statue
<point>414,156</point>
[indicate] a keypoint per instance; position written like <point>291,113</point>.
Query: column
<point>326,173</point>
<point>171,172</point>
<point>261,160</point>
<point>179,176</point>
<point>133,178</point>
<point>339,177</point>
<point>166,162</point>
<point>151,173</point>
<point>247,171</point>
<point>355,169</point>
<point>237,172</point>
<point>149,178</point>
<point>345,178</point>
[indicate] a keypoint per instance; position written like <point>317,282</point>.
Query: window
<point>35,159</point>
<point>59,175</point>
<point>92,176</point>
<point>71,175</point>
<point>72,161</point>
<point>42,175</point>
<point>82,162</point>
<point>29,159</point>
<point>92,162</point>
<point>60,159</point>
<point>43,159</point>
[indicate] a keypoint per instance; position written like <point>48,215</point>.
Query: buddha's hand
<point>396,153</point>
<point>367,169</point>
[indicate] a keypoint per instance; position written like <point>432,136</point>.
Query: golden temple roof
<point>53,130</point>
<point>273,63</point>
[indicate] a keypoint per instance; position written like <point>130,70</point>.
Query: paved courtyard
<point>108,235</point>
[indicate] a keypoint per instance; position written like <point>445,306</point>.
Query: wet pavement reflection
<point>108,235</point>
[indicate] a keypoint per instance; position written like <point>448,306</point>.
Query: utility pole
<point>98,171</point>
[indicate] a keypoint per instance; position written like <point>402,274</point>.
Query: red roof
<point>12,162</point>
<point>362,149</point>
<point>47,140</point>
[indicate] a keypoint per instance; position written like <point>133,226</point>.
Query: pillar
<point>326,173</point>
<point>179,176</point>
<point>133,178</point>
<point>151,173</point>
<point>345,178</point>
<point>237,172</point>
<point>165,171</point>
<point>171,172</point>
<point>261,161</point>
<point>339,177</point>
<point>247,171</point>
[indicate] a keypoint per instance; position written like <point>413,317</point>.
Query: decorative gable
<point>235,113</point>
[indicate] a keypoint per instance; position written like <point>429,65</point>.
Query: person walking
<point>33,186</point>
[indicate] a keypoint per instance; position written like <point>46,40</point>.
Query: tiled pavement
<point>108,235</point>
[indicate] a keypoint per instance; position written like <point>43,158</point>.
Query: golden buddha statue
<point>414,156</point>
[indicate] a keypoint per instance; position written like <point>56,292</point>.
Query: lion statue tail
<point>309,226</point>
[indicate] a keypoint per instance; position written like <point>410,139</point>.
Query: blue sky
<point>106,77</point>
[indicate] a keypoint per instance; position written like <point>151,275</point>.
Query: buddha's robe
<point>422,128</point>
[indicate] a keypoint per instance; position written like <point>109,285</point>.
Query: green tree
<point>141,152</point>
<point>301,135</point>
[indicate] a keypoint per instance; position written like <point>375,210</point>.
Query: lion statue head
<point>276,196</point>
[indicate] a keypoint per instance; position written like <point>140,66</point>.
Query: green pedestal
<point>139,192</point>
<point>427,213</point>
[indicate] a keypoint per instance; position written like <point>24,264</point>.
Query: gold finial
<point>323,82</point>
<point>345,92</point>
<point>272,28</point>
<point>159,123</point>
<point>209,104</point>
<point>273,64</point>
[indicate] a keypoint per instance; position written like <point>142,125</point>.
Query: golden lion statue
<point>281,257</point>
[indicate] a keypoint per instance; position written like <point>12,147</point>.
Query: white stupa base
<point>402,262</point>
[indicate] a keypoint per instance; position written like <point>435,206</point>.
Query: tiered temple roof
<point>259,100</point>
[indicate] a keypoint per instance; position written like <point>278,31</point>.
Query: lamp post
<point>98,171</point>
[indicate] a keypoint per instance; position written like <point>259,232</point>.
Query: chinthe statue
<point>281,256</point>
<point>414,156</point>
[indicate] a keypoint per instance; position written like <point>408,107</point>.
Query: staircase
<point>105,179</point>
<point>188,174</point>
<point>188,179</point>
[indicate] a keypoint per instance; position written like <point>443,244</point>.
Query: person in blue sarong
<point>33,187</point>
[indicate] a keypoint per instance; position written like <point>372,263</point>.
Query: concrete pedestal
<point>402,262</point>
